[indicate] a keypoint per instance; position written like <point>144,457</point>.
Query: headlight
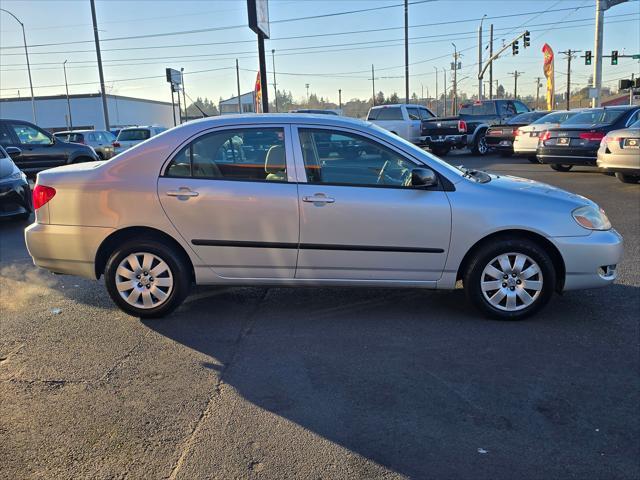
<point>591,218</point>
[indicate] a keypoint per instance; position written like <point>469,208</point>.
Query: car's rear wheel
<point>147,278</point>
<point>626,178</point>
<point>510,279</point>
<point>440,151</point>
<point>561,168</point>
<point>480,146</point>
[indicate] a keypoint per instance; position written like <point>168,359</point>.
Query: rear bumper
<point>451,141</point>
<point>499,144</point>
<point>66,249</point>
<point>615,162</point>
<point>590,261</point>
<point>564,157</point>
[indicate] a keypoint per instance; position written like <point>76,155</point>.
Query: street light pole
<point>307,87</point>
<point>66,86</point>
<point>340,98</point>
<point>480,58</point>
<point>275,86</point>
<point>437,97</point>
<point>455,79</point>
<point>406,49</point>
<point>100,73</point>
<point>26,54</point>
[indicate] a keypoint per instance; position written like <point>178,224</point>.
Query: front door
<point>232,196</point>
<point>39,149</point>
<point>360,218</point>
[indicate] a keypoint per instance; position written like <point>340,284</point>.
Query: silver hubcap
<point>144,280</point>
<point>511,282</point>
<point>482,145</point>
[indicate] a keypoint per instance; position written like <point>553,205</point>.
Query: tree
<point>380,100</point>
<point>206,105</point>
<point>393,98</point>
<point>414,98</point>
<point>500,93</point>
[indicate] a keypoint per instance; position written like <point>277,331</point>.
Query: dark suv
<point>39,149</point>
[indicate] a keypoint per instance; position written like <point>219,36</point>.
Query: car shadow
<point>417,382</point>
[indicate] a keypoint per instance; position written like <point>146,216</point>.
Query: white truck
<point>404,119</point>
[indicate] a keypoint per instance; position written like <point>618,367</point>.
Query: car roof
<point>265,118</point>
<point>398,105</point>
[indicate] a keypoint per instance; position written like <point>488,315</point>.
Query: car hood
<point>510,184</point>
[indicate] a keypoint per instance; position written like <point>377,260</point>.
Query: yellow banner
<point>548,69</point>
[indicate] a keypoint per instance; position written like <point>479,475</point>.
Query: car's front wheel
<point>561,168</point>
<point>510,279</point>
<point>626,178</point>
<point>480,146</point>
<point>147,278</point>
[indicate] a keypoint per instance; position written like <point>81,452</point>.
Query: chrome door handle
<point>182,192</point>
<point>318,199</point>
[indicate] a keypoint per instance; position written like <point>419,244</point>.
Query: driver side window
<point>30,136</point>
<point>341,158</point>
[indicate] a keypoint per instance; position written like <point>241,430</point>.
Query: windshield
<point>595,116</point>
<point>524,118</point>
<point>134,134</point>
<point>483,108</point>
<point>554,117</point>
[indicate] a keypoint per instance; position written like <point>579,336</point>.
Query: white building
<point>86,111</point>
<point>247,100</point>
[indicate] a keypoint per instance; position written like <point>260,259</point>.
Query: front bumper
<point>15,198</point>
<point>66,249</point>
<point>451,141</point>
<point>590,261</point>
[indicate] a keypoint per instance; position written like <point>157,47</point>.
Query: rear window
<point>134,134</point>
<point>481,108</point>
<point>596,116</point>
<point>76,138</point>
<point>389,113</point>
<point>525,118</point>
<point>62,136</point>
<point>554,117</point>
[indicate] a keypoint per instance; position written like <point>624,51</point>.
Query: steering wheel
<point>381,174</point>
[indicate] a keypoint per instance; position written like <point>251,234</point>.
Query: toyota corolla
<point>304,200</point>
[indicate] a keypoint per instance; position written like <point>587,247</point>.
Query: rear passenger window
<point>390,113</point>
<point>413,113</point>
<point>238,154</point>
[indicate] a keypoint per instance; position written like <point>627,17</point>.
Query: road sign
<point>259,16</point>
<point>174,77</point>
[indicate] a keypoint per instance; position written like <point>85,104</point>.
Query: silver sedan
<point>619,153</point>
<point>299,200</point>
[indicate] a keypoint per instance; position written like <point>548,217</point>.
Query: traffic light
<point>514,47</point>
<point>587,57</point>
<point>625,84</point>
<point>526,40</point>
<point>614,57</point>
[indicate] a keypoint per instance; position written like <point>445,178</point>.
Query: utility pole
<point>570,55</point>
<point>100,73</point>
<point>275,87</point>
<point>538,85</point>
<point>179,102</point>
<point>264,86</point>
<point>307,87</point>
<point>184,95</point>
<point>496,80</point>
<point>601,7</point>
<point>515,74</point>
<point>373,86</point>
<point>480,58</point>
<point>238,83</point>
<point>437,98</point>
<point>444,70</point>
<point>66,86</point>
<point>491,65</point>
<point>456,55</point>
<point>406,49</point>
<point>173,106</point>
<point>340,98</point>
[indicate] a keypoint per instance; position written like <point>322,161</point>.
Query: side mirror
<point>423,177</point>
<point>13,152</point>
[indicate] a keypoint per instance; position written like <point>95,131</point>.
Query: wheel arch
<point>554,253</point>
<point>476,132</point>
<point>116,238</point>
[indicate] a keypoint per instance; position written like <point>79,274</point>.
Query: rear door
<point>231,193</point>
<point>414,123</point>
<point>360,219</point>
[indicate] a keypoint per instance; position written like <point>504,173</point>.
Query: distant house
<point>230,106</point>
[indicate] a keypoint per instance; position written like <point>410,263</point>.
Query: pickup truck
<point>405,120</point>
<point>468,128</point>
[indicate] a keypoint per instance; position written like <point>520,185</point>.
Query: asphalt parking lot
<point>323,383</point>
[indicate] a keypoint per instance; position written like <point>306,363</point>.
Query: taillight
<point>517,131</point>
<point>546,135</point>
<point>41,195</point>
<point>592,136</point>
<point>462,126</point>
<point>116,144</point>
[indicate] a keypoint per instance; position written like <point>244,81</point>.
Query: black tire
<point>626,178</point>
<point>533,159</point>
<point>485,253</point>
<point>561,168</point>
<point>480,146</point>
<point>178,266</point>
<point>440,151</point>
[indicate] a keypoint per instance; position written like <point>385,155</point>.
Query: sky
<point>325,53</point>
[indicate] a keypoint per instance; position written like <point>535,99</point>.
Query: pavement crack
<point>122,359</point>
<point>215,393</point>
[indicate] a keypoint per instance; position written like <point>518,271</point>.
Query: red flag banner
<point>258,94</point>
<point>548,69</point>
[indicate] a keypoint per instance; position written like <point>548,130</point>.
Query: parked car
<point>131,136</point>
<point>100,140</point>
<point>312,201</point>
<point>15,194</point>
<point>501,137</point>
<point>39,149</point>
<point>620,153</point>
<point>577,140</point>
<point>404,120</point>
<point>468,128</point>
<point>525,142</point>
